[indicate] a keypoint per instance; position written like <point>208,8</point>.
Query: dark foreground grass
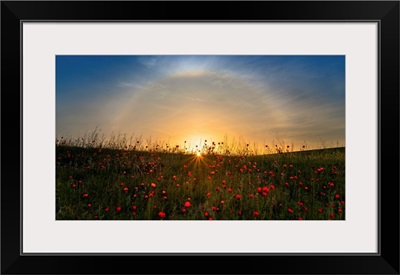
<point>107,184</point>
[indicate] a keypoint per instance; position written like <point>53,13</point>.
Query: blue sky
<point>253,99</point>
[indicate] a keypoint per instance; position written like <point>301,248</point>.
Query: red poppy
<point>161,215</point>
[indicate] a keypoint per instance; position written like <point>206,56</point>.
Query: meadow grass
<point>137,182</point>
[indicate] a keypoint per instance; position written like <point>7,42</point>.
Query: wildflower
<point>161,215</point>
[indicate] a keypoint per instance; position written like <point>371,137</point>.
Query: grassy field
<point>130,184</point>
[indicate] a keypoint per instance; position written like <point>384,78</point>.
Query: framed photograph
<point>254,133</point>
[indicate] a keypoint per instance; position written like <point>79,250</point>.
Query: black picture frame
<point>386,13</point>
